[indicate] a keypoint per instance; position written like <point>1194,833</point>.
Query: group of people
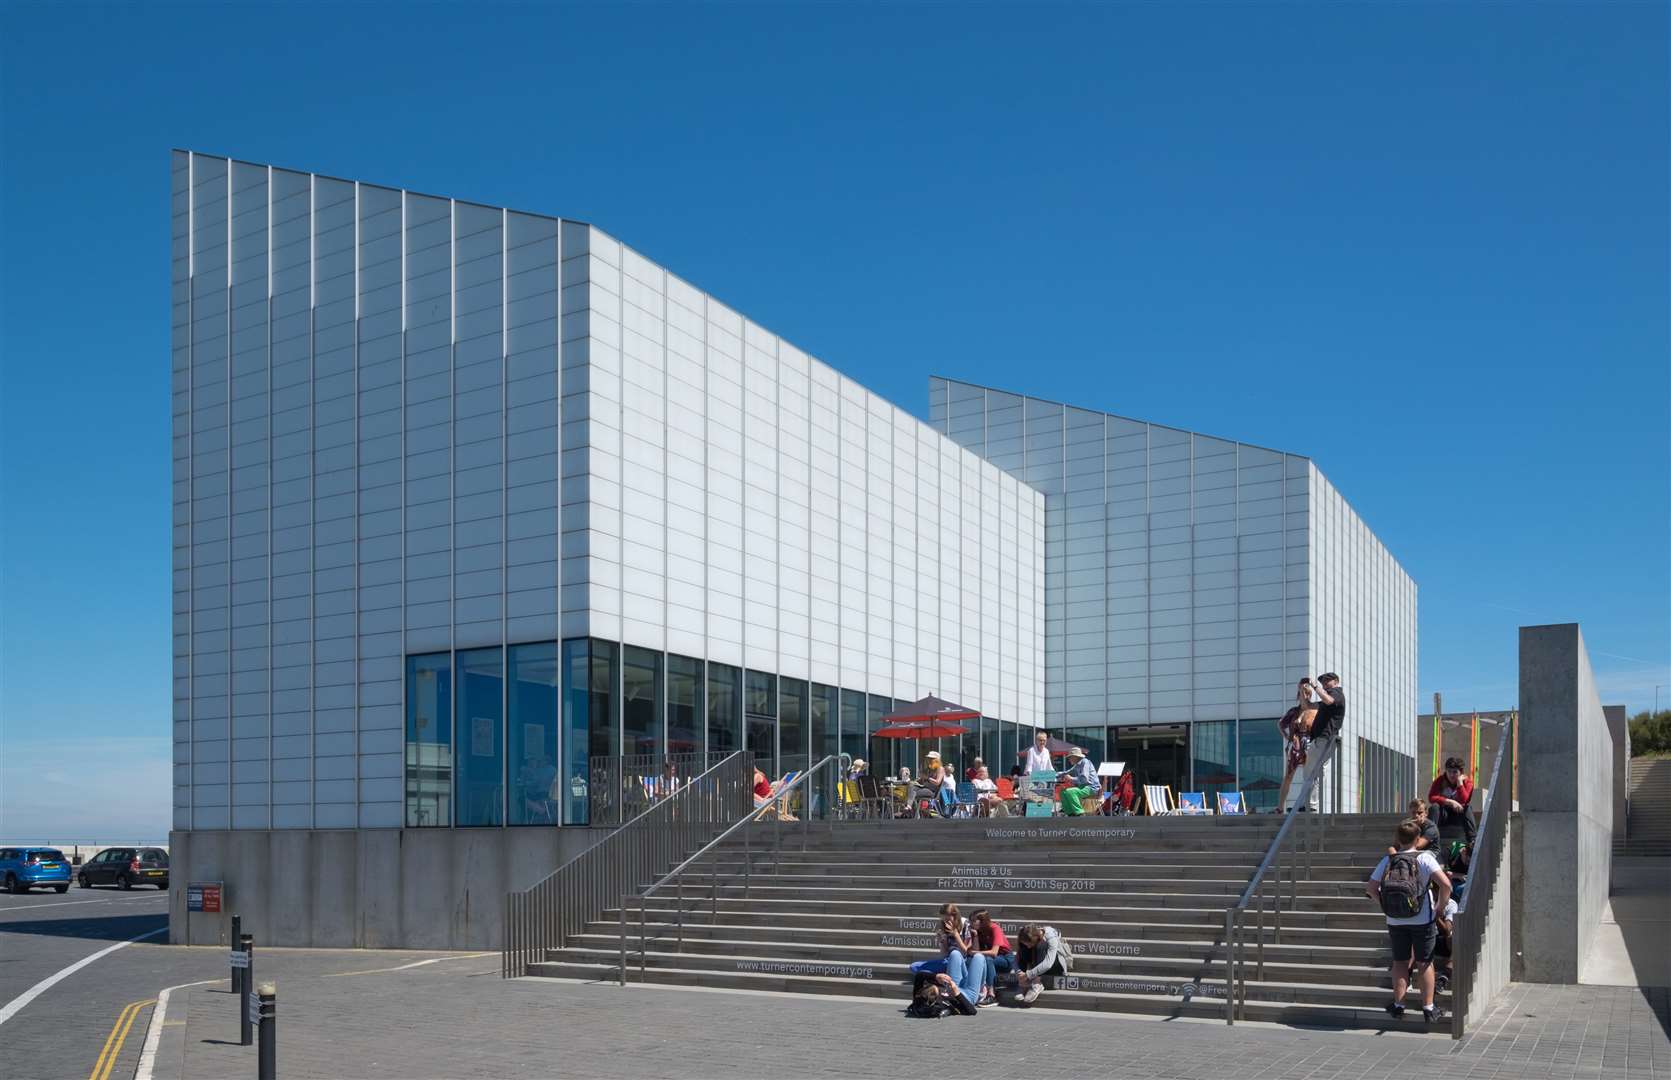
<point>977,960</point>
<point>934,792</point>
<point>1309,728</point>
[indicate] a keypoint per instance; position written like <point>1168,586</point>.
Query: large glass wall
<point>641,701</point>
<point>725,709</point>
<point>481,725</point>
<point>792,724</point>
<point>429,737</point>
<point>760,714</point>
<point>1261,758</point>
<point>1212,748</point>
<point>684,705</point>
<point>531,734</point>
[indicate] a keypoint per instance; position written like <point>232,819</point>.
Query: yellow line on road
<point>118,1035</point>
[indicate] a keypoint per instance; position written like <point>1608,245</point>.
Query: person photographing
<point>1325,729</point>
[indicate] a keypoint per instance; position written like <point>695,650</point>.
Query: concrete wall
<point>1494,966</point>
<point>1618,729</point>
<point>1564,855</point>
<point>368,888</point>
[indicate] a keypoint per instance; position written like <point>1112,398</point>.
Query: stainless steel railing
<point>674,824</point>
<point>1300,836</point>
<point>620,787</point>
<point>814,793</point>
<point>1476,910</point>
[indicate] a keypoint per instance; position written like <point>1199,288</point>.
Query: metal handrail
<point>561,903</point>
<point>1468,926</point>
<point>779,799</point>
<point>1235,916</point>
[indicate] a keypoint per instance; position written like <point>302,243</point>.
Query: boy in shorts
<point>1403,883</point>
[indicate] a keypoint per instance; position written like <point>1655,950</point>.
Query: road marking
<point>67,903</point>
<point>153,1036</point>
<point>117,1037</point>
<point>16,1005</point>
<point>403,967</point>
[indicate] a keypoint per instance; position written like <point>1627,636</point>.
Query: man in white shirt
<point>1038,755</point>
<point>1403,881</point>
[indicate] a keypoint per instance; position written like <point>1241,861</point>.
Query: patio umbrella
<point>1262,784</point>
<point>1055,746</point>
<point>919,729</point>
<point>929,708</point>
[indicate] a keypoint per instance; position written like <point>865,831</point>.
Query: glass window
<point>640,702</point>
<point>591,732</point>
<point>1260,754</point>
<point>725,710</point>
<point>792,725</point>
<point>684,705</point>
<point>760,708</point>
<point>852,725</point>
<point>1213,757</point>
<point>481,757</point>
<point>531,733</point>
<point>879,753</point>
<point>996,766</point>
<point>825,735</point>
<point>429,738</point>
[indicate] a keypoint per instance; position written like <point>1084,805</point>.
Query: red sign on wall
<point>203,896</point>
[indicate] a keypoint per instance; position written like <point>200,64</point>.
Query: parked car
<point>23,868</point>
<point>125,866</point>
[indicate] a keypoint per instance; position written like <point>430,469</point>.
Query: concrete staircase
<point>1142,901</point>
<point>1649,830</point>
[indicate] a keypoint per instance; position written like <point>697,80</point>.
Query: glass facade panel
<point>792,724</point>
<point>591,730</point>
<point>825,734</point>
<point>1093,740</point>
<point>760,711</point>
<point>725,709</point>
<point>641,701</point>
<point>429,737</point>
<point>990,741</point>
<point>481,758</point>
<point>1261,756</point>
<point>879,753</point>
<point>852,725</point>
<point>1213,757</point>
<point>684,705</point>
<point>531,733</point>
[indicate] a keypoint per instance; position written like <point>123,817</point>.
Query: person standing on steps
<point>1402,883</point>
<point>1325,731</point>
<point>1038,755</point>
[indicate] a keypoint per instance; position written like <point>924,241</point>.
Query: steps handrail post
<point>624,899</point>
<point>643,940</point>
<point>1229,966</point>
<point>681,913</point>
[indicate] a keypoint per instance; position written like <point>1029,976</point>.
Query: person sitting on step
<point>964,963</point>
<point>995,947</point>
<point>1043,954</point>
<point>986,794</point>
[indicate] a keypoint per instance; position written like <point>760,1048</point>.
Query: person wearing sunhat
<point>936,783</point>
<point>859,769</point>
<point>1081,776</point>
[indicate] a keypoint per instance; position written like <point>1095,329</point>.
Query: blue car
<point>23,868</point>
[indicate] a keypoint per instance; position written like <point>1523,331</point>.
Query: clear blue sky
<point>1424,244</point>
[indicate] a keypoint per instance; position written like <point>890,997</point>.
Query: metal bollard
<point>237,929</point>
<point>267,1056</point>
<point>246,1033</point>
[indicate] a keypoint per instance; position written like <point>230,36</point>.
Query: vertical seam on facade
<point>660,692</point>
<point>452,492</point>
<point>504,515</point>
<point>269,468</point>
<point>401,479</point>
<point>191,490</point>
<point>313,640</point>
<point>560,742</point>
<point>356,538</point>
<point>231,672</point>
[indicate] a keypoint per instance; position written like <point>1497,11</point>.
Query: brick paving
<point>457,1018</point>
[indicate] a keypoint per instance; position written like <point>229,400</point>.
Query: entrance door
<point>1155,753</point>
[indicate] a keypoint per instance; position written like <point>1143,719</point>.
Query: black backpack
<point>1402,894</point>
<point>927,1003</point>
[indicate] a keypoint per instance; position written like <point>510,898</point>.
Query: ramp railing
<point>1480,932</point>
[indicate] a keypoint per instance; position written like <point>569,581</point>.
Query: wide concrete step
<point>1277,1003</point>
<point>604,947</point>
<point>1152,875</point>
<point>1147,861</point>
<point>1028,907</point>
<point>926,895</point>
<point>1365,950</point>
<point>774,923</point>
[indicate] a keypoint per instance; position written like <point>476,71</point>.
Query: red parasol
<point>919,729</point>
<point>931,708</point>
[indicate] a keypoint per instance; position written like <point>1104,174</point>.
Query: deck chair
<point>1006,792</point>
<point>774,804</point>
<point>1192,803</point>
<point>966,804</point>
<point>1157,800</point>
<point>1231,803</point>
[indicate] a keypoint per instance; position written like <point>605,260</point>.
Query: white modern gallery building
<point>470,502</point>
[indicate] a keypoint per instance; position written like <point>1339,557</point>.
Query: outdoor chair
<point>1157,800</point>
<point>767,804</point>
<point>1006,792</point>
<point>1231,803</point>
<point>967,804</point>
<point>1193,803</point>
<point>875,798</point>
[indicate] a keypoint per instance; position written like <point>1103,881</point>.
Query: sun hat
<point>934,755</point>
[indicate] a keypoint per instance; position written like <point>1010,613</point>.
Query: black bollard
<point>246,1030</point>
<point>237,929</point>
<point>267,1058</point>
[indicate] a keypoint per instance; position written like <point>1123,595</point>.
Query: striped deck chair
<point>1157,800</point>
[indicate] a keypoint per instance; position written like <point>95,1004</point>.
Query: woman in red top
<point>1450,797</point>
<point>762,786</point>
<point>991,943</point>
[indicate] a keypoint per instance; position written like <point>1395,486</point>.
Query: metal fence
<point>673,823</point>
<point>814,794</point>
<point>1479,934</point>
<point>1300,836</point>
<point>620,788</point>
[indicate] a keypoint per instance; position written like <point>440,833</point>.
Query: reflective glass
<point>481,757</point>
<point>429,736</point>
<point>852,725</point>
<point>684,705</point>
<point>825,740</point>
<point>1213,754</point>
<point>1261,757</point>
<point>531,733</point>
<point>792,724</point>
<point>990,748</point>
<point>760,710</point>
<point>1093,739</point>
<point>880,752</point>
<point>640,701</point>
<point>725,709</point>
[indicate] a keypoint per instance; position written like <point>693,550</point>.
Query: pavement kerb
<point>165,1052</point>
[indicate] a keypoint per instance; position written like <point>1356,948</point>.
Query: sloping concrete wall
<point>1566,806</point>
<point>367,888</point>
<point>1618,728</point>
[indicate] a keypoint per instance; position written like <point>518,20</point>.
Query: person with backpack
<point>934,995</point>
<point>1403,883</point>
<point>1325,730</point>
<point>1043,953</point>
